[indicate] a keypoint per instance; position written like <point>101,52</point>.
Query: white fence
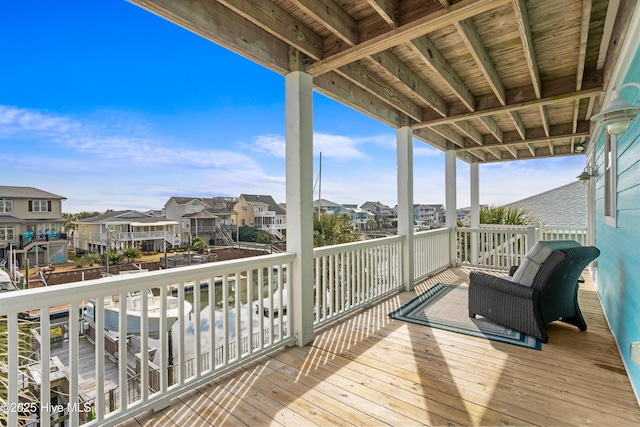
<point>503,246</point>
<point>431,252</point>
<point>355,275</point>
<point>227,327</point>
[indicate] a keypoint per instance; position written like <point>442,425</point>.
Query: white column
<point>474,180</point>
<point>450,200</point>
<point>299,169</point>
<point>404,138</point>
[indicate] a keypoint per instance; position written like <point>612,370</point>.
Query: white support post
<point>475,208</point>
<point>299,169</point>
<point>450,200</point>
<point>404,137</point>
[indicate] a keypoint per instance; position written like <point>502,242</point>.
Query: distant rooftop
<point>563,206</point>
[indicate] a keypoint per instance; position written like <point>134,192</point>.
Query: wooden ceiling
<point>496,80</point>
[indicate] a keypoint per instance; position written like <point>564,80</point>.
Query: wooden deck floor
<point>371,370</point>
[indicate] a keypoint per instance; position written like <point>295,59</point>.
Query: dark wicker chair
<point>552,296</point>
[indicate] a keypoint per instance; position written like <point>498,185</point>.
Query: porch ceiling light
<point>586,175</point>
<point>619,114</point>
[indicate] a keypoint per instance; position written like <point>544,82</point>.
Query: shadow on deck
<point>372,370</point>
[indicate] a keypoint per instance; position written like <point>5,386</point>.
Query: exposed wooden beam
<point>429,53</point>
<point>476,47</point>
<point>273,19</point>
<point>470,130</point>
<point>513,150</point>
<point>534,136</point>
<point>522,18</point>
<point>371,82</point>
<point>584,38</point>
<point>342,90</point>
<point>493,127</point>
<point>388,10</point>
<point>401,72</point>
<point>479,154</point>
<point>432,138</point>
<point>551,148</point>
<point>449,134</point>
<point>607,33</point>
<point>495,153</point>
<point>558,99</point>
<point>544,117</point>
<point>518,123</point>
<point>217,23</point>
<point>532,149</point>
<point>331,16</point>
<point>421,26</point>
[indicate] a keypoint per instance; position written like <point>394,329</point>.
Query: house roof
<point>125,216</point>
<point>564,206</point>
<point>494,80</point>
<point>214,205</point>
<point>13,192</point>
<point>326,203</point>
<point>265,199</point>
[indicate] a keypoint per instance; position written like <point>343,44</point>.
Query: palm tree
<point>333,230</point>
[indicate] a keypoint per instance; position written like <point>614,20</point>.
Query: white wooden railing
<point>354,275</point>
<point>241,316</point>
<point>579,234</point>
<point>431,252</point>
<point>503,246</point>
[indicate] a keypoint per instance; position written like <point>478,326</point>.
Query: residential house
<point>384,215</point>
<point>210,218</point>
<point>119,230</point>
<point>261,212</point>
<point>428,215</point>
<point>326,206</point>
<point>31,226</point>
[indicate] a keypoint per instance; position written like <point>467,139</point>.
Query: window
<point>610,176</point>
<point>39,205</point>
<point>6,232</point>
<point>195,207</point>
<point>6,206</point>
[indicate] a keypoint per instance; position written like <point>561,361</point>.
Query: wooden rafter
<point>586,93</point>
<point>428,52</point>
<point>271,18</point>
<point>332,17</point>
<point>390,64</point>
<point>388,10</point>
<point>522,18</point>
<point>476,48</point>
<point>432,22</point>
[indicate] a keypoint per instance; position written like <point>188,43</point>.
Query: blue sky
<point>112,107</point>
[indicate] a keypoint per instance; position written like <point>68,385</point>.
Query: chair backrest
<point>557,280</point>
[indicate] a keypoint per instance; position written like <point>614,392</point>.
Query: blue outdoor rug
<point>446,307</point>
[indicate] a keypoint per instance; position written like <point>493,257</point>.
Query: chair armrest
<point>500,284</point>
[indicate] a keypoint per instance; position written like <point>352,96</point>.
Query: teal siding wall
<point>618,268</point>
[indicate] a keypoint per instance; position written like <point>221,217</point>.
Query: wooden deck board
<point>372,370</point>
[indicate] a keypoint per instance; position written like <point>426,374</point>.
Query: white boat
<point>112,305</point>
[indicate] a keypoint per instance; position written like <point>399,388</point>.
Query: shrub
<point>132,254</point>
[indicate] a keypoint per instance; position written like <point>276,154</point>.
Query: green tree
<point>264,237</point>
<point>132,254</point>
<point>333,230</point>
<point>199,245</point>
<point>505,215</point>
<point>90,259</point>
<point>247,234</point>
<point>371,224</point>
